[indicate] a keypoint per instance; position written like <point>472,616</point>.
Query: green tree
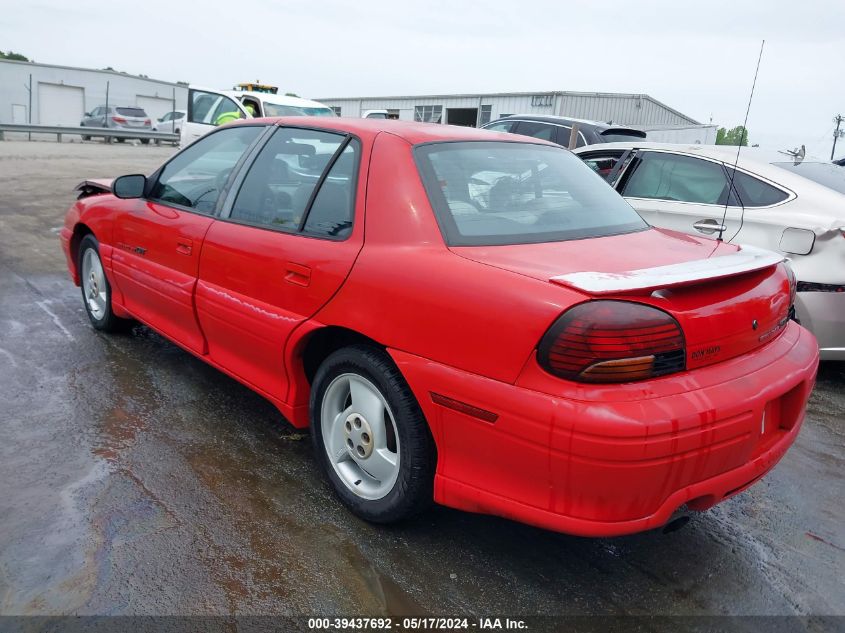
<point>735,136</point>
<point>14,56</point>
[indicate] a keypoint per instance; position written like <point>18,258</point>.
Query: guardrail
<point>105,132</point>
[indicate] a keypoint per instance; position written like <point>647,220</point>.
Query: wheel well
<point>327,341</point>
<point>79,231</point>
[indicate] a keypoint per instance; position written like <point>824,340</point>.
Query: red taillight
<point>147,122</point>
<point>118,119</point>
<point>613,341</point>
<point>793,282</point>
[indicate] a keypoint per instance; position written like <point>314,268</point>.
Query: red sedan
<point>460,316</point>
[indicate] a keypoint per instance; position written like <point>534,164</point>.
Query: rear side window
<point>332,212</point>
<point>542,131</point>
<point>281,183</point>
<point>495,193</point>
<point>131,112</point>
<point>753,192</point>
<point>664,176</point>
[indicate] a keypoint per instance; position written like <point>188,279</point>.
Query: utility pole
<point>838,120</point>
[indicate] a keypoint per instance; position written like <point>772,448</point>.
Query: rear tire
<point>370,436</point>
<point>120,140</point>
<point>96,290</point>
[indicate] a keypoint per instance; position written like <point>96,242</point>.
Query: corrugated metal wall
<point>126,90</point>
<point>623,109</point>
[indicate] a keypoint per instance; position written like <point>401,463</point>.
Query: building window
<point>336,110</point>
<point>542,101</point>
<point>393,113</point>
<point>428,113</point>
<point>485,114</point>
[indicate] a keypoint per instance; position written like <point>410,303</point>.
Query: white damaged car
<point>792,206</point>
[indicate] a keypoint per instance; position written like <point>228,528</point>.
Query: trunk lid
<point>728,300</point>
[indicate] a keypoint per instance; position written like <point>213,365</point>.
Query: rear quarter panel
<point>409,292</point>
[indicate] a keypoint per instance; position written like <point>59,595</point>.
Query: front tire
<point>370,435</point>
<point>96,291</point>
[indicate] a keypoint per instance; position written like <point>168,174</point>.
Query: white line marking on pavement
<point>54,316</point>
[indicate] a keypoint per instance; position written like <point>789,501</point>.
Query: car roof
<point>719,152</point>
<point>412,131</point>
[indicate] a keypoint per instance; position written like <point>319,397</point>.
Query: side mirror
<point>87,114</point>
<point>131,186</point>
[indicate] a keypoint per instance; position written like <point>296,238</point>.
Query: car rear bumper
<point>615,461</point>
<point>823,313</point>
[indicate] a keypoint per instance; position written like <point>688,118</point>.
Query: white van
<point>210,108</point>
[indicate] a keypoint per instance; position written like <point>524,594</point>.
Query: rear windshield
<point>275,109</point>
<point>495,193</point>
<point>827,174</point>
<point>613,136</point>
<point>131,112</point>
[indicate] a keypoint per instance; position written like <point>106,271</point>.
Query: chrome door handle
<point>708,226</point>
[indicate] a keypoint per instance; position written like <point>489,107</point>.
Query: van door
<point>206,110</point>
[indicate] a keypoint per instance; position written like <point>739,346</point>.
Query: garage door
<point>155,107</point>
<point>60,105</point>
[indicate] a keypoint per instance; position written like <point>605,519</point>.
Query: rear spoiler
<point>93,187</point>
<point>647,280</point>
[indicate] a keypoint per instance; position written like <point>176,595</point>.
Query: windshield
<point>827,174</point>
<point>495,193</point>
<point>276,109</point>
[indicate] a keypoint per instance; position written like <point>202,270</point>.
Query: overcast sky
<point>697,57</point>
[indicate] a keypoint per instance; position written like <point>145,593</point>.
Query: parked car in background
<point>510,338</point>
<point>558,129</point>
<point>170,122</point>
<point>117,117</point>
<point>794,207</point>
<point>374,114</point>
<point>210,108</point>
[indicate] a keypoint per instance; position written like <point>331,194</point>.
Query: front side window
<point>428,113</point>
<point>495,193</point>
<point>280,184</point>
<point>210,108</point>
<point>602,164</point>
<point>664,176</point>
<point>196,176</point>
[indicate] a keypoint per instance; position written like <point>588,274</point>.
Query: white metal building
<point>636,110</point>
<point>61,95</point>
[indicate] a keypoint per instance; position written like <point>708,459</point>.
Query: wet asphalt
<point>134,479</point>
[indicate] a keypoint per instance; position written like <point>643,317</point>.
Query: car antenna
<point>743,136</point>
